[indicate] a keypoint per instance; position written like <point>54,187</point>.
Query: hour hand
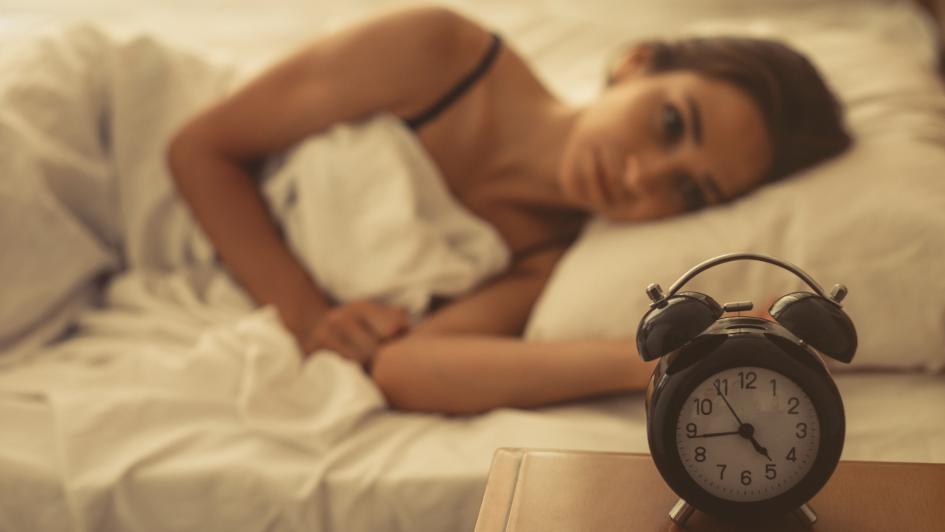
<point>761,450</point>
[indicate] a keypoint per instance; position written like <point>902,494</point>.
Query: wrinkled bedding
<point>172,414</point>
<point>85,183</point>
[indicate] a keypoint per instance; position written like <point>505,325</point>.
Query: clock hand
<point>747,431</point>
<point>732,410</point>
<point>714,434</point>
<point>761,450</point>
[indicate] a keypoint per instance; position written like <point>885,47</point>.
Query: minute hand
<point>714,434</point>
<point>730,409</point>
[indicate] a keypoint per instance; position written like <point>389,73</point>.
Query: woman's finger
<point>341,343</point>
<point>385,322</point>
<point>330,337</point>
<point>357,336</point>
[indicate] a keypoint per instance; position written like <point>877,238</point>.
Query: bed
<point>177,409</point>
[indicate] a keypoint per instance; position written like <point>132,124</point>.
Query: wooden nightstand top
<point>546,491</point>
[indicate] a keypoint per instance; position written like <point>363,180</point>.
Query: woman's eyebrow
<point>696,119</point>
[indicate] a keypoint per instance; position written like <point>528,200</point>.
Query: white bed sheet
<point>105,437</point>
<point>386,470</point>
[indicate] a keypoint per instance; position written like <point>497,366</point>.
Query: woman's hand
<point>356,330</point>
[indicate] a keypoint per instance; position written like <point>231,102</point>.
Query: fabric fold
<point>368,212</point>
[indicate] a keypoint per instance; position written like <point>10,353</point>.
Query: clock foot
<point>805,514</point>
<point>681,512</point>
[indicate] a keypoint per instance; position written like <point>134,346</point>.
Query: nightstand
<point>548,491</point>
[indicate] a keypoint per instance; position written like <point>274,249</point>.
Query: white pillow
<point>873,219</point>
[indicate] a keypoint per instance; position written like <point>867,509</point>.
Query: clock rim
<point>670,397</point>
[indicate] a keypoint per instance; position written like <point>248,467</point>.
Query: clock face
<point>747,434</point>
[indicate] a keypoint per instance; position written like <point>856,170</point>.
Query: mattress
<point>86,456</point>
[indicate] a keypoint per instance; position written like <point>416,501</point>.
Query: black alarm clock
<point>744,421</point>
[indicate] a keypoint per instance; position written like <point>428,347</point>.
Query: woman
<point>681,126</point>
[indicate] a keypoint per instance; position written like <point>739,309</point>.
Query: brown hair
<point>802,115</point>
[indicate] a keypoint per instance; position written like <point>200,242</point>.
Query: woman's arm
<point>397,63</point>
<point>468,358</point>
<point>233,214</point>
<point>473,374</point>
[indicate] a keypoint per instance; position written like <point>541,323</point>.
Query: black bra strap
<point>417,121</point>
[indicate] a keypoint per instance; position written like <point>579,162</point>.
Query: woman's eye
<point>672,123</point>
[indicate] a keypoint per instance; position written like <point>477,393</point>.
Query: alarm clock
<point>744,421</point>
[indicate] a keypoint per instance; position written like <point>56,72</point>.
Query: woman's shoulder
<point>441,42</point>
<point>447,24</point>
<point>439,31</point>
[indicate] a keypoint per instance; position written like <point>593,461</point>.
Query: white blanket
<point>127,417</point>
<point>84,188</point>
<point>171,379</point>
<point>366,209</point>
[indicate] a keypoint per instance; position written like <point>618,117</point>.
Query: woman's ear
<point>632,62</point>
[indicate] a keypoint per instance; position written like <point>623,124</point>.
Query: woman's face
<point>655,145</point>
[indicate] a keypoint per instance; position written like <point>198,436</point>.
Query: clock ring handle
<point>721,259</point>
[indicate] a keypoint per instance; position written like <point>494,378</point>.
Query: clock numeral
<point>700,454</point>
<point>791,456</point>
<point>774,387</point>
<point>747,380</point>
<point>801,430</point>
<point>691,430</point>
<point>721,386</point>
<point>770,472</point>
<point>793,402</point>
<point>746,477</point>
<point>703,406</point>
<point>721,470</point>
